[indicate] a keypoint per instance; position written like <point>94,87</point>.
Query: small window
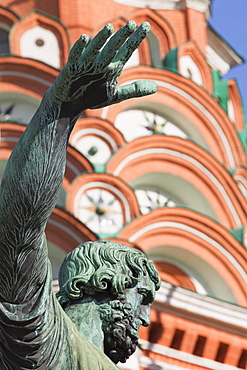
<point>177,339</point>
<point>199,346</point>
<point>4,42</point>
<point>221,354</point>
<point>154,49</point>
<point>242,363</point>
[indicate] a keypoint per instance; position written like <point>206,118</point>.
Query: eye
<point>147,297</point>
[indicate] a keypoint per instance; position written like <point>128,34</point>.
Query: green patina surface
<point>171,60</point>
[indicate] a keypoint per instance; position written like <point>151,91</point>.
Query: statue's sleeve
<point>29,191</point>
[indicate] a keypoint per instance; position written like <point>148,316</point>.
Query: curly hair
<point>95,267</point>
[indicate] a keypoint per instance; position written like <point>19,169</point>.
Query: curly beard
<point>120,330</point>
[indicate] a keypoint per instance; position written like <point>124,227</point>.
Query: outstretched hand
<point>90,76</point>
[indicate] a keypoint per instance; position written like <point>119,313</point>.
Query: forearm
<point>29,191</point>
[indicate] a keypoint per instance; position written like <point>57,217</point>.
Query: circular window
<point>39,42</point>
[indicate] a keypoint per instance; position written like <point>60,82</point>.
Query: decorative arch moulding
<point>160,26</point>
<point>10,134</point>
<point>174,275</point>
<point>179,93</point>
<point>76,164</point>
<point>167,272</point>
<point>98,127</point>
<point>35,19</point>
<point>115,186</point>
<point>199,236</point>
<point>32,76</point>
<point>8,17</point>
<point>240,176</point>
<point>164,154</point>
<point>191,50</point>
<point>237,105</point>
<point>67,232</point>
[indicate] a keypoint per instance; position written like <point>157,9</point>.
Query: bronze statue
<point>106,288</point>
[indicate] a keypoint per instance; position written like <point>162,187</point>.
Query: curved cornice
<point>160,153</point>
<point>199,235</point>
<point>76,162</point>
<point>190,100</point>
<point>26,76</point>
<point>10,134</point>
<point>191,49</point>
<point>114,185</point>
<point>235,98</point>
<point>8,17</point>
<point>97,127</point>
<point>240,176</point>
<point>159,26</point>
<point>64,230</point>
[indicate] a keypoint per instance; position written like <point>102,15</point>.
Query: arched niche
<point>169,114</point>
<point>184,160</point>
<point>17,107</point>
<point>4,39</point>
<point>194,104</point>
<point>176,188</point>
<point>205,278</point>
<point>102,202</point>
<point>193,65</point>
<point>195,243</point>
<point>154,47</point>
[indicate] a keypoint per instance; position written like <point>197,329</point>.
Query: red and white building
<point>165,173</point>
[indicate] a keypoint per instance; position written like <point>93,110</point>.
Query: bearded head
<point>121,280</point>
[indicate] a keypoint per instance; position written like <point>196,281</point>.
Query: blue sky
<point>229,19</point>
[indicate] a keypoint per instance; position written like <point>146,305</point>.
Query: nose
<point>144,315</point>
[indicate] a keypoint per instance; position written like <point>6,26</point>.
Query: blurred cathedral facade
<point>165,173</point>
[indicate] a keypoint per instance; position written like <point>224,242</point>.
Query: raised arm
<point>35,170</point>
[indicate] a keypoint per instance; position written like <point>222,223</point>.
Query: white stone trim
<point>179,355</point>
<point>92,131</point>
<point>201,108</point>
<point>107,187</point>
<point>72,167</point>
<point>27,76</point>
<point>174,153</point>
<point>201,235</point>
<point>207,307</point>
<point>4,27</point>
<point>9,139</point>
<point>216,62</point>
<point>48,53</point>
<point>153,4</point>
<point>148,363</point>
<point>207,114</point>
<point>199,5</point>
<point>66,229</point>
<point>242,184</point>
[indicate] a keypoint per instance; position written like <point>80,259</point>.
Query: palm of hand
<point>89,78</point>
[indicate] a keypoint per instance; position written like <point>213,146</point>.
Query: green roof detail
<point>231,171</point>
<point>243,138</point>
<point>220,90</point>
<point>171,60</point>
<point>238,234</point>
<point>99,168</point>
